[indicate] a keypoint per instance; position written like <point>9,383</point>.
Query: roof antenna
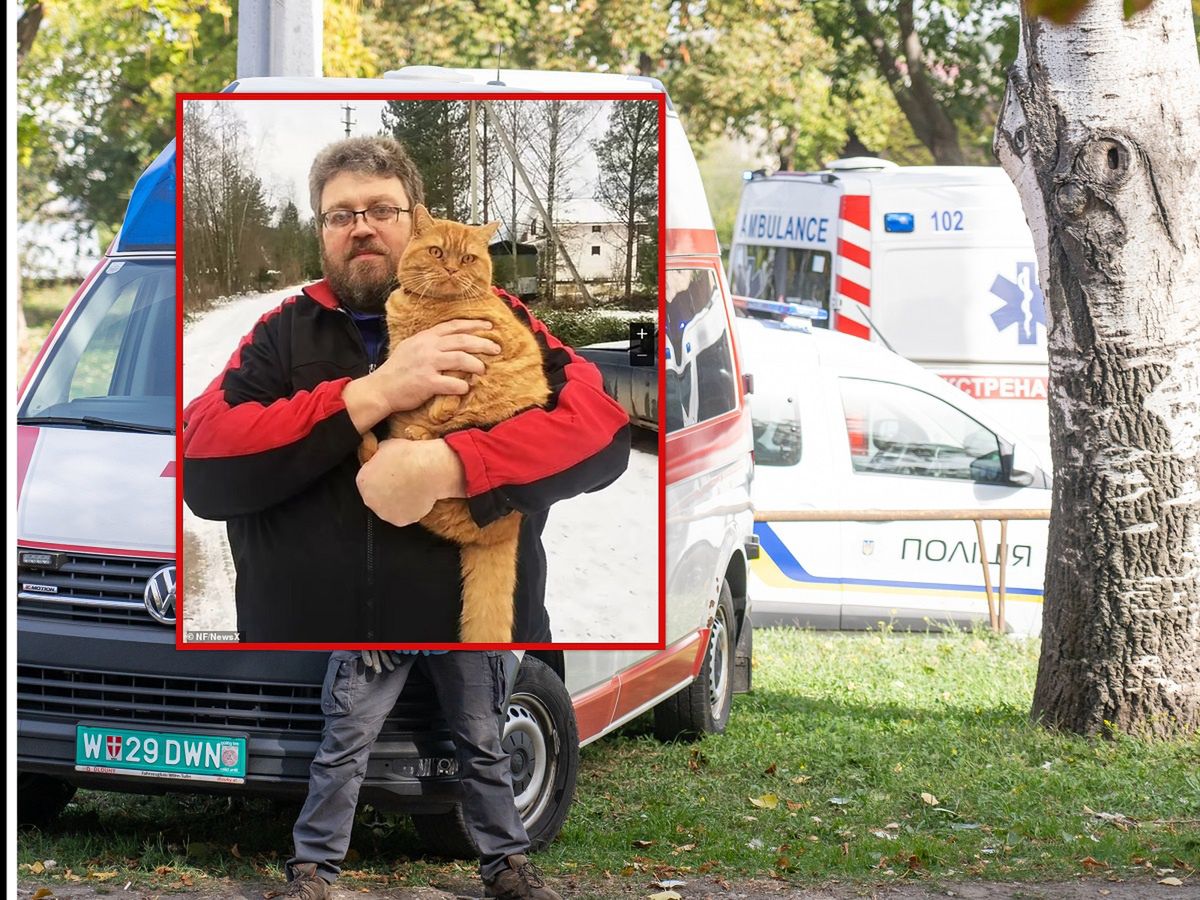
<point>498,49</point>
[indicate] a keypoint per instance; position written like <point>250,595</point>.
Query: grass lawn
<point>858,758</point>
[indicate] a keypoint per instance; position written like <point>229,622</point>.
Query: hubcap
<point>718,663</point>
<point>528,733</point>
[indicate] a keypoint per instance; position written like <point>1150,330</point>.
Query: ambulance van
<point>936,263</point>
<point>99,679</point>
<point>840,425</point>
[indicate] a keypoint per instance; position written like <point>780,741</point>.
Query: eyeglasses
<point>374,215</point>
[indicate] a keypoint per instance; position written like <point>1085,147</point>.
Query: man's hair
<point>382,156</point>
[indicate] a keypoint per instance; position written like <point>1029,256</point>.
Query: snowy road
<point>602,548</point>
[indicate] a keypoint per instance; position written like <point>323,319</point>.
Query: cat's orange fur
<point>457,285</point>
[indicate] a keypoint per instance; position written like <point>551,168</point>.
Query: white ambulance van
<point>935,262</point>
<point>98,673</point>
<point>842,424</point>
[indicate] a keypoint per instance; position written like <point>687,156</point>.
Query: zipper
<point>369,600</point>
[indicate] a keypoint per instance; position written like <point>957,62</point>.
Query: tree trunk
<point>1101,132</point>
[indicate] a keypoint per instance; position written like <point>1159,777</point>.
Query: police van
<point>99,678</point>
<point>934,262</point>
<point>845,425</point>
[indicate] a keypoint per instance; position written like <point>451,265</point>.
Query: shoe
<point>306,883</point>
<point>521,880</point>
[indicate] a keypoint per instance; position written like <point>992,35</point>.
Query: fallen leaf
<point>102,876</point>
<point>766,801</point>
<point>666,895</point>
<point>770,770</point>
<point>755,844</point>
<point>884,835</point>
<point>929,799</point>
<point>1172,881</point>
<point>235,852</point>
<point>37,868</point>
<point>161,870</point>
<point>684,848</point>
<point>42,893</point>
<point>707,867</point>
<point>186,879</point>
<point>1089,862</point>
<point>792,804</point>
<point>893,825</point>
<point>669,883</point>
<point>71,876</point>
<point>845,848</point>
<point>643,844</point>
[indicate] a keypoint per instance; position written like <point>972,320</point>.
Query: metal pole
<point>898,515</point>
<point>1003,568</point>
<point>987,574</point>
<point>472,161</point>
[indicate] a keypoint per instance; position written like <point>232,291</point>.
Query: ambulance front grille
<point>89,588</point>
<point>154,701</point>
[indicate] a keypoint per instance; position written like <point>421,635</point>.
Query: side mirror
<point>1022,470</point>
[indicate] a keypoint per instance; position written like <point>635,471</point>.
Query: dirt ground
<point>1089,889</point>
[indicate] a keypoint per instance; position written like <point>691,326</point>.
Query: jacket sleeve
<point>578,443</point>
<point>250,441</point>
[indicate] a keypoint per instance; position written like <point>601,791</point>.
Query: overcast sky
<point>285,136</point>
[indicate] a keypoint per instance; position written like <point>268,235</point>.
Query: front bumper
<point>132,676</point>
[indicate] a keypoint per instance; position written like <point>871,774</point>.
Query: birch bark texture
<point>1100,132</point>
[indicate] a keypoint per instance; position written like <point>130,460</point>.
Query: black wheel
<point>40,798</point>
<point>703,706</point>
<point>542,741</point>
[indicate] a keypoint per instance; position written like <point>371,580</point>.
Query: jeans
<point>471,689</point>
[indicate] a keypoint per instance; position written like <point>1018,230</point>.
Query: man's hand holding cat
<point>403,480</point>
<point>415,371</point>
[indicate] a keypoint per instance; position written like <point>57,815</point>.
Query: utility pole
<point>279,39</point>
<point>349,109</point>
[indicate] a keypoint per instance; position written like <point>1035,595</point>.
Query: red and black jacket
<point>270,448</point>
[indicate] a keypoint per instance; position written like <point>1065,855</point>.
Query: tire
<point>542,739</point>
<point>40,798</point>
<point>703,706</point>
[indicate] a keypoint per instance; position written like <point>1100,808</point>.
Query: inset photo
<point>406,326</point>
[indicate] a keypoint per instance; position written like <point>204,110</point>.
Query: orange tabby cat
<point>446,273</point>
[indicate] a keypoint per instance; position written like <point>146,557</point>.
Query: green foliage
<point>580,327</point>
<point>436,136</point>
<point>627,155</point>
<point>96,96</point>
<point>957,68</point>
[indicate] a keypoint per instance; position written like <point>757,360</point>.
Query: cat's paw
<point>443,408</point>
<point>417,433</point>
<point>368,448</point>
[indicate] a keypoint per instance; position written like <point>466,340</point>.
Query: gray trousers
<point>471,689</point>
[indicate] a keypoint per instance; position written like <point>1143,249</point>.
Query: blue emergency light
<point>901,223</point>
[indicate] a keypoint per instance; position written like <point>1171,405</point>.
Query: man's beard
<point>365,290</point>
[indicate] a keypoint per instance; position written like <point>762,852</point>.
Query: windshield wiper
<point>97,423</point>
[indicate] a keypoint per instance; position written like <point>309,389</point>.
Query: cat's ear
<point>421,219</point>
<point>489,230</point>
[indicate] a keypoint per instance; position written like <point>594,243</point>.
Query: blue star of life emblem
<point>1024,304</point>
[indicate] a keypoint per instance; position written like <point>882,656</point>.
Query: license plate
<point>158,754</point>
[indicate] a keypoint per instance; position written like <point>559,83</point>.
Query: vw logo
<point>160,595</point>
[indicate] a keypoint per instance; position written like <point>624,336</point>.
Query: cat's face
<point>447,260</point>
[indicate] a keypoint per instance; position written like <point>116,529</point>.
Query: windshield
<point>784,274</point>
<point>114,365</point>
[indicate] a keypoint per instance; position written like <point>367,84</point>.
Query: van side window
<point>701,382</point>
<point>777,435</point>
<point>898,430</point>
